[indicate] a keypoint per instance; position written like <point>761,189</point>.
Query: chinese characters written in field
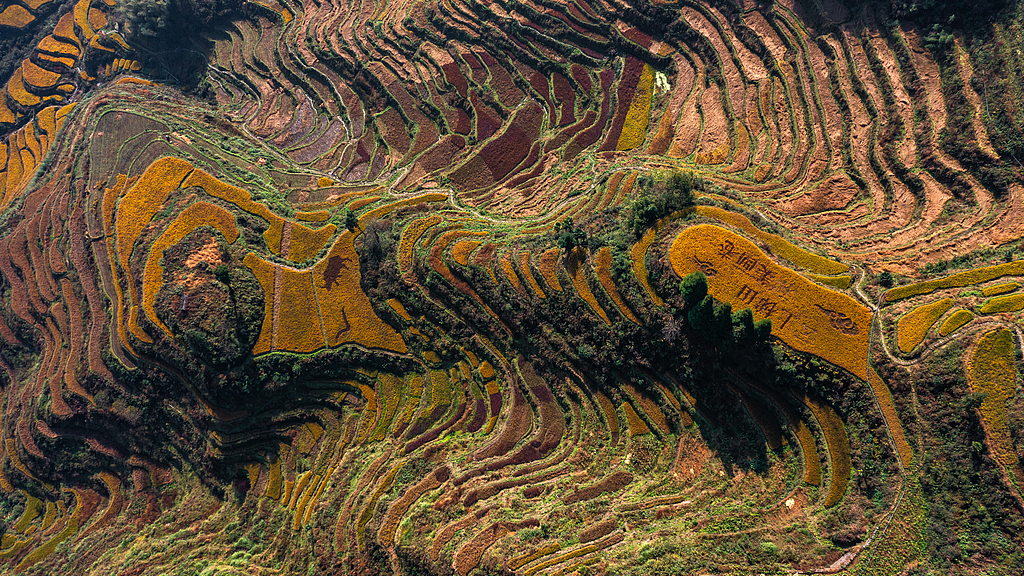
<point>763,278</point>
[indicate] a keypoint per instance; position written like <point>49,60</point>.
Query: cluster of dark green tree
<point>952,14</point>
<point>569,235</point>
<point>165,19</point>
<point>657,198</point>
<point>716,321</point>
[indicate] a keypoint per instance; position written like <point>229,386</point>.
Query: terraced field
<point>524,287</point>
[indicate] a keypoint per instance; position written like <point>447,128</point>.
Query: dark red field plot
<point>575,9</point>
<point>490,490</point>
<point>525,455</point>
<point>638,37</point>
<point>398,508</point>
<point>361,157</point>
<point>536,27</point>
<point>159,475</point>
<point>476,68</point>
<point>56,374</point>
<point>19,257</point>
<point>140,479</point>
<point>444,536</point>
<point>566,98</point>
<point>531,160</point>
<point>663,138</point>
<point>19,295</point>
<point>53,253</point>
<point>436,432</point>
<point>479,415</point>
<point>582,77</point>
<point>532,491</point>
<point>515,429</point>
<point>443,153</point>
<point>589,136</point>
<point>422,424</point>
<point>50,374</point>
<point>101,444</point>
<point>426,137</point>
<point>377,164</point>
<point>487,121</point>
<point>322,145</point>
<point>566,451</point>
<point>511,148</point>
<point>598,530</point>
<point>552,421</point>
<point>43,279</point>
<point>485,57</point>
<point>454,76</point>
<point>86,279</point>
<point>495,400</point>
<point>570,131</point>
<point>484,257</point>
<point>499,156</point>
<point>463,123</point>
<point>539,82</point>
<point>568,21</point>
<point>114,502</point>
<point>427,134</point>
<point>548,436</point>
<point>631,70</point>
<point>90,503</point>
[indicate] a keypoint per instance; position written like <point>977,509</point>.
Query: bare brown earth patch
<point>834,193</point>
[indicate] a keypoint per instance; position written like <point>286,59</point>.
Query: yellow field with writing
<point>804,315</point>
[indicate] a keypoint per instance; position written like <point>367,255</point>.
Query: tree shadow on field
<point>174,38</point>
<point>730,432</point>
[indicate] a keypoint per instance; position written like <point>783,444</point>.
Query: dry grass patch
<point>411,234</point>
<point>574,265</point>
<point>637,426</point>
<point>15,16</point>
<point>548,265</point>
<point>138,206</point>
<point>524,267</point>
<point>603,269</point>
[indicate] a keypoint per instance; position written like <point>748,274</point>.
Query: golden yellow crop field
<point>913,326</point>
<point>992,372</point>
<point>634,131</point>
<point>954,321</point>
